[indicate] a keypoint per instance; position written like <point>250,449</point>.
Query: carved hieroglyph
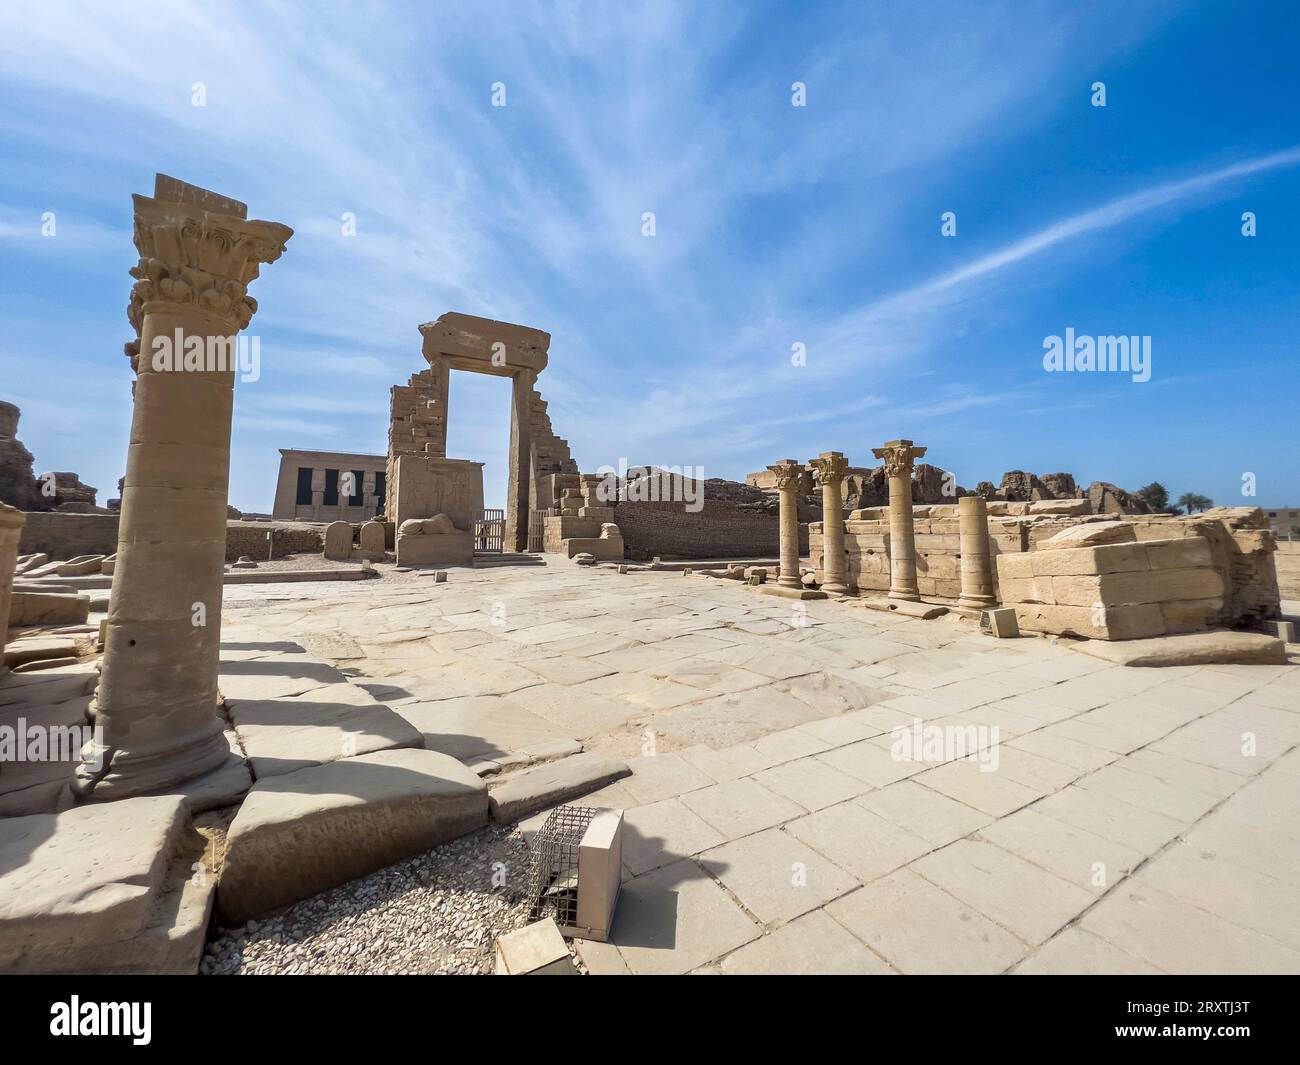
<point>829,468</point>
<point>157,695</point>
<point>899,457</point>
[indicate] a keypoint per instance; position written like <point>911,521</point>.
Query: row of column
<point>899,458</point>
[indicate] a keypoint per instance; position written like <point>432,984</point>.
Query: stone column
<point>788,475</point>
<point>12,521</point>
<point>519,489</point>
<point>157,694</point>
<point>899,455</point>
<point>976,562</point>
<point>829,468</point>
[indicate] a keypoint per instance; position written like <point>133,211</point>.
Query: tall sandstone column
<point>899,455</point>
<point>157,695</point>
<point>788,475</point>
<point>976,562</point>
<point>829,468</point>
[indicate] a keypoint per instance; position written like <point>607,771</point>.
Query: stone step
<point>305,832</point>
<point>517,795</point>
<point>83,879</point>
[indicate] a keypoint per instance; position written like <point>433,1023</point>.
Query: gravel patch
<point>438,912</point>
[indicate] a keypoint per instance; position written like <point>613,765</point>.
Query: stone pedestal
<point>899,456</point>
<point>829,469</point>
<point>157,693</point>
<point>788,475</point>
<point>976,562</point>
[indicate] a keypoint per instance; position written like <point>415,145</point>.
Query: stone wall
<point>290,538</point>
<point>62,535</point>
<point>1287,561</point>
<point>1242,548</point>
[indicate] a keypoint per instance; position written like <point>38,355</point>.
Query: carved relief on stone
<point>194,257</point>
<point>829,467</point>
<point>898,456</point>
<point>788,473</point>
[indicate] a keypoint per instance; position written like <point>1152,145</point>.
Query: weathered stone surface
<point>300,833</point>
<point>38,648</point>
<point>520,794</point>
<point>34,607</point>
<point>336,721</point>
<point>1090,534</point>
<point>1190,649</point>
<point>338,541</point>
<point>81,565</point>
<point>89,875</point>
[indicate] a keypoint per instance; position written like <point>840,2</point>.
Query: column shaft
<point>976,561</point>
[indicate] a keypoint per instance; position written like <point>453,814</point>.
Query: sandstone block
<point>1014,565</point>
<point>80,566</point>
<point>1189,551</point>
<point>1174,584</point>
<point>537,949</point>
<point>338,541</point>
<point>1092,533</point>
<point>1106,623</point>
<point>47,608</point>
<point>1191,649</point>
<point>1083,561</point>
<point>301,833</point>
<point>1109,589</point>
<point>1000,623</point>
<point>520,794</point>
<point>1190,615</point>
<point>88,875</point>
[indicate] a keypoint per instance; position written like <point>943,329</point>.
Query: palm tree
<point>1156,496</point>
<point>1191,502</point>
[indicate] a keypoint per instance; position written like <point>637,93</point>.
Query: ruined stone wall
<point>719,530</point>
<point>290,538</point>
<point>62,535</point>
<point>1241,546</point>
<point>1287,561</point>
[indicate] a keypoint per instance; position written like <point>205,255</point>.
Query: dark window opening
<point>304,486</point>
<point>331,488</point>
<point>357,496</point>
<point>381,485</point>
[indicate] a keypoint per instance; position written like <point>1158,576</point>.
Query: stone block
<point>303,832</point>
<point>1188,552</point>
<point>86,876</point>
<point>1105,623</point>
<point>537,949</point>
<point>1061,507</point>
<point>600,875</point>
<point>1190,649</point>
<point>529,790</point>
<point>1033,590</point>
<point>1174,584</point>
<point>1014,566</point>
<point>1000,623</point>
<point>1283,630</point>
<point>1190,615</point>
<point>372,539</point>
<point>1091,534</point>
<point>29,607</point>
<point>434,542</point>
<point>1084,561</point>
<point>80,566</point>
<point>338,541</point>
<point>1109,589</point>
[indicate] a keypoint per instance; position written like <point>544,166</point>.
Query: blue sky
<point>775,225</point>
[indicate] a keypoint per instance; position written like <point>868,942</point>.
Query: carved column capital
<point>788,473</point>
<point>829,467</point>
<point>198,250</point>
<point>899,455</point>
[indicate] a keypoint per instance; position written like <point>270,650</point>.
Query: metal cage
<point>553,870</point>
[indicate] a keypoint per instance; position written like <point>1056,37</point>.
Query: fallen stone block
<point>27,563</point>
<point>1091,534</point>
<point>537,949</point>
<point>1218,647</point>
<point>30,607</point>
<point>301,833</point>
<point>1000,623</point>
<point>80,566</point>
<point>90,875</point>
<point>923,611</point>
<point>529,790</point>
<point>1283,630</point>
<point>37,648</point>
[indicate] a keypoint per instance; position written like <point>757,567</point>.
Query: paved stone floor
<point>1136,820</point>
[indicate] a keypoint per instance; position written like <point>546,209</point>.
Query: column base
<point>904,595</point>
<point>835,588</point>
<point>978,602</point>
<point>121,772</point>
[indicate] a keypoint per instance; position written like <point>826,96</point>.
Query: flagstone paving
<point>1120,820</point>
